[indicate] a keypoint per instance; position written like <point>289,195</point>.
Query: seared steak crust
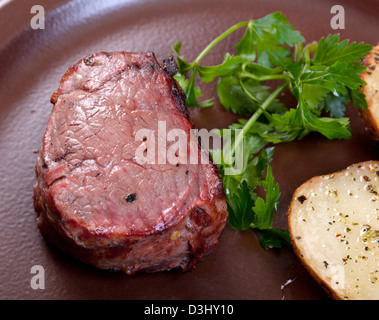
<point>94,200</point>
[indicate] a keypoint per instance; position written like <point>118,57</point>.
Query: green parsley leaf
<point>265,38</point>
<point>273,238</point>
<point>234,97</point>
<point>265,210</point>
<point>358,98</point>
<point>330,50</point>
<point>240,205</point>
<point>335,105</point>
<point>329,127</point>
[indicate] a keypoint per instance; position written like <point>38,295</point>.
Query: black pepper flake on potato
<point>301,199</point>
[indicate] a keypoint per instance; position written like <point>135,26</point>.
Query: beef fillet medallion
<point>94,199</point>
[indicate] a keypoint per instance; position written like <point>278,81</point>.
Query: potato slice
<point>334,225</point>
<point>370,116</point>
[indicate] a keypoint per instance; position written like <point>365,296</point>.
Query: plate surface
<point>31,65</point>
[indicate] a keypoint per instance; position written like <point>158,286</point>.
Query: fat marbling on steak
<point>94,200</point>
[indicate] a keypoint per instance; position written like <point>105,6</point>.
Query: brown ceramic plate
<point>31,65</point>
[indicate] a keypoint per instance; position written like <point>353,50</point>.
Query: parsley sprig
<point>322,75</point>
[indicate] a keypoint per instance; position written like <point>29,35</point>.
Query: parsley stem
<point>257,113</point>
<point>218,39</point>
<point>263,78</point>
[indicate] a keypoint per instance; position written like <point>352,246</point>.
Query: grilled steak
<point>94,199</point>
